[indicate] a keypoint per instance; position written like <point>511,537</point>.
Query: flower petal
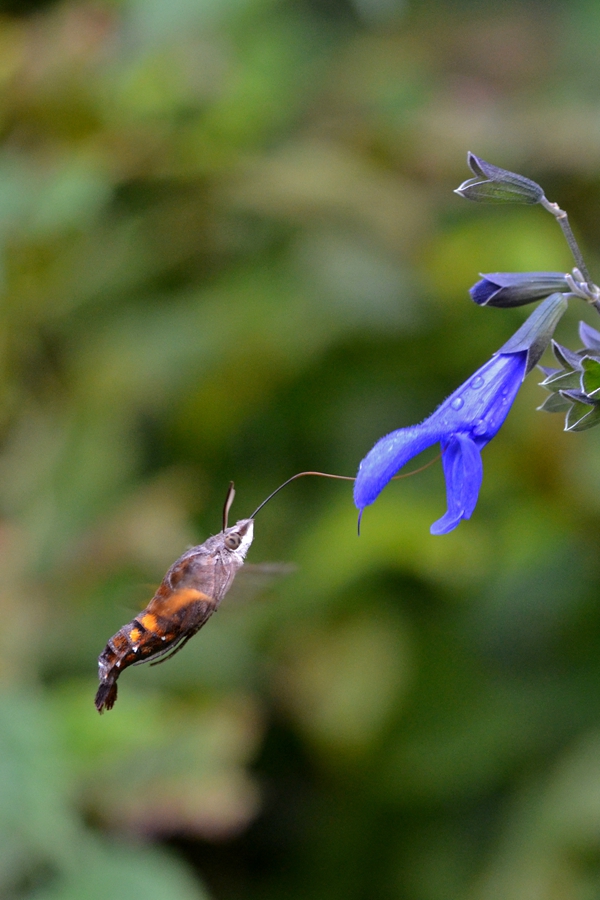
<point>388,456</point>
<point>481,404</point>
<point>464,472</point>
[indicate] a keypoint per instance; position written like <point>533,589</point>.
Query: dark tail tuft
<point>106,696</point>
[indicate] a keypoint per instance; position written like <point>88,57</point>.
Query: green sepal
<point>566,381</point>
<point>556,403</point>
<point>581,417</point>
<point>567,358</point>
<point>590,380</point>
<point>535,333</point>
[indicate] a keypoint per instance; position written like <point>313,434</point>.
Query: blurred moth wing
<point>255,580</point>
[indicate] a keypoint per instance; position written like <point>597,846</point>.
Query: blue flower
<point>465,422</point>
<point>463,425</point>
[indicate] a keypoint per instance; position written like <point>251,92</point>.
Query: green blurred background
<point>230,250</point>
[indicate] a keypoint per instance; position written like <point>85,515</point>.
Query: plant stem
<point>563,220</point>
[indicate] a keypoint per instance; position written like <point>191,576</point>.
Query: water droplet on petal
<point>457,403</point>
<point>479,427</point>
<point>477,382</point>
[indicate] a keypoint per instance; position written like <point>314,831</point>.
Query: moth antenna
<point>228,501</point>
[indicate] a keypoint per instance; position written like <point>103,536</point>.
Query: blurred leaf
<point>133,869</point>
<point>344,683</point>
<point>181,770</point>
<point>43,844</point>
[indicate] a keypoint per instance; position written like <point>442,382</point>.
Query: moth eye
<point>233,541</point>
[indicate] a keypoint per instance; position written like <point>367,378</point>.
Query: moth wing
<point>255,579</point>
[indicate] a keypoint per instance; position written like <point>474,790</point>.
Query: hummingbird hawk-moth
<point>189,593</point>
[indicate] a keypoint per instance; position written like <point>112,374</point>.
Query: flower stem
<point>563,220</point>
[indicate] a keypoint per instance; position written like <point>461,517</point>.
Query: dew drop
<point>457,403</point>
<point>479,428</point>
<point>477,382</point>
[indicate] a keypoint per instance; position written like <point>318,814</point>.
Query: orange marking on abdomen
<point>183,598</point>
<point>148,621</point>
<point>170,605</point>
<point>135,634</point>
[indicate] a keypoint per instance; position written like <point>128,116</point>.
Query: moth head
<point>238,538</point>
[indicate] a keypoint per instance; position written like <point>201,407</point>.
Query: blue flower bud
<point>494,185</point>
<point>506,289</point>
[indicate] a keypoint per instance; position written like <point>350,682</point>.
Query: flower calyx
<point>585,290</point>
<point>575,386</point>
<point>536,332</point>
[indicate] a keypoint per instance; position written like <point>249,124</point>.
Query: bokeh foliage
<point>230,250</point>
